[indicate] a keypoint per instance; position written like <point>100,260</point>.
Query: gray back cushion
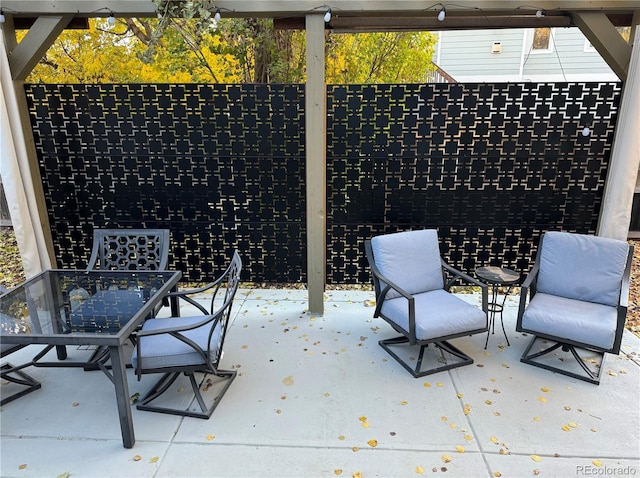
<point>582,267</point>
<point>410,259</point>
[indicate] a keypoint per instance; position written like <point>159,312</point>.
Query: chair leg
<point>443,346</point>
<point>225,377</point>
<point>15,375</point>
<point>590,375</point>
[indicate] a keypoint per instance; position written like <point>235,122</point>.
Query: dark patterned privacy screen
<point>492,166</point>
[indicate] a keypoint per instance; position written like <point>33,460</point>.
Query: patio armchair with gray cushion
<point>412,284</point>
<point>13,373</point>
<point>578,291</point>
<point>189,345</point>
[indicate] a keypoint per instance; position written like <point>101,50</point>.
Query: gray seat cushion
<point>581,321</point>
<point>164,350</point>
<point>410,259</point>
<point>438,314</point>
<point>582,267</point>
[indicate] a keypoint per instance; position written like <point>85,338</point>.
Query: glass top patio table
<point>80,307</point>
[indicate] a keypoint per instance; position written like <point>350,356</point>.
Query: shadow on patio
<point>317,396</point>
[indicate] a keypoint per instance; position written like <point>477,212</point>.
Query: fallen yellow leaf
<point>341,437</point>
<point>542,399</point>
<point>356,448</point>
<point>337,472</point>
<point>494,440</point>
<point>153,459</point>
<point>404,402</point>
<point>288,381</point>
<point>419,470</point>
<point>544,389</point>
<point>497,473</point>
<point>453,425</point>
<point>440,384</point>
<point>210,437</point>
<point>446,459</point>
<point>373,443</point>
<point>536,419</point>
<point>460,395</point>
<point>573,425</point>
<point>365,424</point>
<point>22,467</point>
<point>460,449</point>
<point>597,463</point>
<point>488,402</point>
<point>566,428</point>
<point>426,384</point>
<point>536,458</point>
<point>356,474</point>
<point>137,458</point>
<point>468,437</point>
<point>613,374</point>
<point>363,418</point>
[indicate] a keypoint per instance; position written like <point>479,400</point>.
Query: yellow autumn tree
<point>113,54</point>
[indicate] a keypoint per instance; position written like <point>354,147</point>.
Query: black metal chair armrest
<point>458,274</point>
<point>527,290</point>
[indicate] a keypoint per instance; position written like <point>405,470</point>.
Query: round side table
<point>496,277</point>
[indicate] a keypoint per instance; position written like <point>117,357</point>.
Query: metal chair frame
<point>217,315</point>
<point>14,373</point>
<point>408,337</point>
<point>129,249</point>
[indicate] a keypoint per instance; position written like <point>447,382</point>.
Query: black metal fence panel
<point>491,166</point>
<point>218,165</point>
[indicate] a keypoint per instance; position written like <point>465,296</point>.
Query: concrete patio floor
<point>317,396</point>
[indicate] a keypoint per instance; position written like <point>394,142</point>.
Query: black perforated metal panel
<point>491,166</point>
<point>218,165</point>
<point>222,166</point>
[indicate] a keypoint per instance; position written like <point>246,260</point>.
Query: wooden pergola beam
<point>606,39</point>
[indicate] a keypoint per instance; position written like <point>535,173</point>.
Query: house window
<point>541,40</point>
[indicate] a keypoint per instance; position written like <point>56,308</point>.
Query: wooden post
<point>315,134</point>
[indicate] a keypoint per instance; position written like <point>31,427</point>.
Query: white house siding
<point>568,61</point>
<point>466,56</point>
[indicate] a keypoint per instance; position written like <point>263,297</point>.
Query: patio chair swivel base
<point>443,352</point>
<point>197,407</point>
<point>547,356</point>
<point>13,374</point>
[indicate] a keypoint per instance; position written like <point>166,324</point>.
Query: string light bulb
<point>111,19</point>
<point>216,16</point>
<point>541,13</point>
<point>327,16</point>
<point>586,131</point>
<point>442,14</point>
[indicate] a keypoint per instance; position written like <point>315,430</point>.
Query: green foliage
<point>392,57</point>
<point>186,44</point>
<point>11,271</point>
